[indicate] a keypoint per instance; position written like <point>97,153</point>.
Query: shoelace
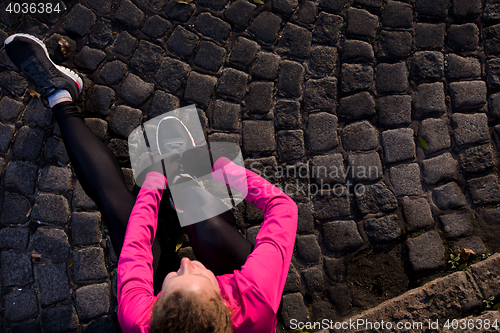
<point>35,71</point>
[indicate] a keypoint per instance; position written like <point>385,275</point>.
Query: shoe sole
<point>170,117</point>
<point>66,71</point>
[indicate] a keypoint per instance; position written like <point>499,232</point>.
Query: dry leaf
<point>180,241</point>
<point>465,254</point>
<point>260,2</point>
<point>71,262</point>
<point>423,143</point>
<point>184,2</point>
<point>36,255</point>
<point>33,93</point>
<point>64,48</point>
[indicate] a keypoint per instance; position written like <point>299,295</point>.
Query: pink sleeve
<point>135,291</point>
<point>267,266</point>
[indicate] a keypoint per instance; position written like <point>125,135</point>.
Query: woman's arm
<point>267,266</point>
<point>135,267</point>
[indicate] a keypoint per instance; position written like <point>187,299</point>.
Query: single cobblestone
<point>182,41</point>
<point>436,133</point>
<point>21,176</point>
<point>356,50</point>
<point>340,236</point>
<point>172,74</point>
<point>79,20</point>
<point>360,23</point>
<point>340,297</point>
<point>209,56</point>
<point>399,145</point>
<point>124,43</point>
<point>260,97</point>
<point>291,144</point>
<point>306,219</point>
<point>290,80</point>
<point>286,7</point>
<point>314,279</point>
<point>55,179</point>
<point>295,41</point>
<point>292,280</point>
<point>179,11</point>
<point>439,168</point>
<point>493,72</point>
<point>243,52</point>
<point>394,44</point>
<point>293,308</point>
<point>135,91</point>
<point>119,149</point>
<point>129,14</point>
<point>397,15</point>
<point>6,135</point>
<point>16,269</point>
<point>162,103</point>
<point>458,67</point>
<point>81,200</point>
<point>60,319</point>
<point>320,94</point>
<point>147,57</point>
<point>51,208</point>
<point>308,248</point>
<point>55,150</point>
<point>101,33</point>
<point>89,264</point>
<point>321,132</point>
<point>20,305</point>
<point>484,190</point>
<point>89,59</point>
<point>369,3</point>
<point>265,26</point>
<point>258,136</point>
<point>405,179</point>
<point>391,78</point>
<point>382,229</point>
<point>470,94</point>
<point>327,28</point>
<point>15,209</point>
<point>456,224</point>
<point>359,135</point>
<point>28,143</point>
<point>14,238</point>
<point>51,243</point>
<point>37,114</point>
<point>394,111</point>
<point>463,37</point>
<point>266,66</point>
<point>417,212</point>
<point>10,108</point>
<point>436,9</point>
<point>426,252</point>
<point>334,268</point>
<point>334,6</point>
<point>53,283</point>
<point>239,13</point>
<point>199,88</point>
<point>14,83</point>
<point>477,159</point>
<point>449,196</point>
<point>98,126</point>
<point>474,243</point>
<point>92,300</point>
<point>331,204</point>
<point>376,198</point>
<point>356,77</point>
<point>469,128</point>
<point>323,59</point>
<point>232,83</point>
<point>466,9</point>
<point>155,26</point>
<point>428,65</point>
<point>124,120</point>
<point>364,166</point>
<point>357,106</point>
<point>429,99</point>
<point>226,116</point>
<point>491,37</point>
<point>287,114</point>
<point>85,227</point>
<point>430,36</point>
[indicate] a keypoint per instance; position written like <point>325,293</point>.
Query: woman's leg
<point>216,243</point>
<point>97,170</point>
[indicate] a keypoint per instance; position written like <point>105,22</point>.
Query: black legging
<point>217,244</point>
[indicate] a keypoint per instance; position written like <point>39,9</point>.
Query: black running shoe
<point>172,136</point>
<point>30,55</point>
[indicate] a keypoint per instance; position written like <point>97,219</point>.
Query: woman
<point>244,296</point>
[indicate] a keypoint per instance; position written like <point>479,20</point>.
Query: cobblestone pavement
<point>406,90</point>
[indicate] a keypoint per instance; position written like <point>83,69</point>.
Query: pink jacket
<point>253,293</point>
